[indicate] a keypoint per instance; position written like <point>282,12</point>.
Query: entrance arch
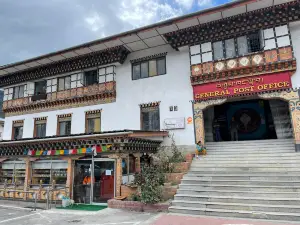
<point>291,96</point>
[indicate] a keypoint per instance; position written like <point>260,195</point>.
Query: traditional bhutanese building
<point>119,98</point>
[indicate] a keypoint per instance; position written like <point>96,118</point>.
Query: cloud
<point>205,3</point>
<point>187,4</point>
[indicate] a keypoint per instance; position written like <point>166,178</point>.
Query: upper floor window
<point>64,83</point>
<point>40,127</point>
<point>64,124</point>
<point>93,121</point>
<point>277,37</point>
<point>150,119</point>
<point>40,87</point>
<point>201,53</point>
<point>19,92</point>
<point>150,68</point>
<point>91,77</point>
<point>17,130</point>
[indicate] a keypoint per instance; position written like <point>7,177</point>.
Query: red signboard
<point>244,85</point>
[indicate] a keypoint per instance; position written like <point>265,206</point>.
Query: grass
<point>84,207</point>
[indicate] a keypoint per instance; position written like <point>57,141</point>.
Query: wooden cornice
<point>113,55</point>
<point>235,26</point>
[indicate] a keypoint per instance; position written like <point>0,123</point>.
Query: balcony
<point>271,61</point>
<point>76,97</point>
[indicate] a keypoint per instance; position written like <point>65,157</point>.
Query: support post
<point>27,178</point>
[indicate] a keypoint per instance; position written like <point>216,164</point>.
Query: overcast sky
<point>29,28</point>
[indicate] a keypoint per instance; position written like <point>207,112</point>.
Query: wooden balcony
<point>271,61</point>
<point>76,97</point>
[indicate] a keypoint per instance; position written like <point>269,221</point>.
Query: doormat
<point>84,207</point>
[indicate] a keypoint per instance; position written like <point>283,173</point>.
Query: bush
<point>176,156</point>
<point>149,181</point>
<point>134,197</point>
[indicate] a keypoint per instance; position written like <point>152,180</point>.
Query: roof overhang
<point>145,37</point>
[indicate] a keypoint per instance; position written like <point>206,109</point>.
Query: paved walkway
<point>173,219</point>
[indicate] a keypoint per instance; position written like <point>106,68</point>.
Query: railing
<point>35,194</point>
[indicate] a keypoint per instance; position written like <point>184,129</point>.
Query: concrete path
<point>175,219</point>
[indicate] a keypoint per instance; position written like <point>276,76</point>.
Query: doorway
<point>94,180</point>
<point>255,119</point>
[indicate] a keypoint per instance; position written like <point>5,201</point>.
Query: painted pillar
<point>118,176</point>
<point>27,180</point>
<point>70,176</point>
<point>137,162</point>
<point>199,123</point>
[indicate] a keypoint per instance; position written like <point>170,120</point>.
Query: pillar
<point>118,176</point>
<point>70,176</point>
<point>137,162</point>
<point>27,180</point>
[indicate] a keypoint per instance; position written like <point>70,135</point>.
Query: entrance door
<point>94,181</point>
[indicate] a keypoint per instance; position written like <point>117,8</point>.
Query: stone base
<point>137,206</point>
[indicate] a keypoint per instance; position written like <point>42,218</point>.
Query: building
<point>115,98</point>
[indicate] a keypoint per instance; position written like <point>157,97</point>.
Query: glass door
<point>94,180</point>
<point>104,186</point>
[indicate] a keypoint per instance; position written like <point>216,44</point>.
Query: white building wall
<point>295,34</point>
<point>1,129</point>
<point>172,89</point>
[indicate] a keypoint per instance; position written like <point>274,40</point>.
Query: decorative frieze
<point>113,55</point>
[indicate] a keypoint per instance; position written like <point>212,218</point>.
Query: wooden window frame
<point>42,120</point>
<point>96,114</point>
<point>14,91</point>
<point>65,117</point>
<point>16,123</point>
<point>140,62</point>
<point>145,107</point>
<point>64,78</point>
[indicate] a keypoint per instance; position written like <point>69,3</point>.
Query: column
<point>295,117</point>
<point>199,123</point>
<point>70,176</point>
<point>118,176</point>
<point>27,180</point>
<point>137,162</point>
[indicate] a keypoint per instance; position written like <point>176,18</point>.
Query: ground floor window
<point>49,171</point>
<point>13,172</point>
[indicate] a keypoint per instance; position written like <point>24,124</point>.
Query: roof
<point>144,37</point>
<point>105,134</point>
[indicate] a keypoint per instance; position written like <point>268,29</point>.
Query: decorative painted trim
<point>93,111</point>
<point>116,54</point>
<point>235,26</point>
<point>150,104</point>
<point>64,115</point>
<point>41,118</point>
<point>62,104</point>
<point>149,57</point>
<point>18,121</point>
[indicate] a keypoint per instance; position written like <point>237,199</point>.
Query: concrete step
<point>242,169</point>
<point>256,142</point>
<point>238,199</point>
<point>244,155</point>
<point>221,187</point>
<point>282,216</point>
<point>242,177</point>
<point>245,165</point>
<point>278,173</point>
<point>241,182</point>
<point>252,147</point>
<point>239,193</point>
<point>201,161</point>
<point>238,206</point>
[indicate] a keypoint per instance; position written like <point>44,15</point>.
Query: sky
<point>30,28</point>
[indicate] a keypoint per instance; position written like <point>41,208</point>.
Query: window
<point>40,87</point>
<point>17,131</point>
<point>254,42</point>
<point>93,121</point>
<point>40,127</point>
<point>201,53</point>
<point>230,48</point>
<point>242,45</point>
<point>64,124</point>
<point>64,83</point>
<point>124,166</point>
<point>150,120</point>
<point>218,50</point>
<point>150,68</point>
<point>18,92</point>
<point>51,85</point>
<point>276,37</point>
<point>13,172</point>
<point>91,77</point>
<point>131,164</point>
<point>106,74</point>
<point>47,171</point>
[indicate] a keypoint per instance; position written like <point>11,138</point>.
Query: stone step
<point>245,160</point>
<point>248,153</point>
<point>242,182</point>
<point>238,199</point>
<point>238,206</point>
<point>239,193</point>
<point>252,147</point>
<point>242,169</point>
<point>278,173</point>
<point>245,165</point>
<point>221,187</point>
<point>243,155</point>
<point>256,142</point>
<point>250,177</point>
<point>283,216</point>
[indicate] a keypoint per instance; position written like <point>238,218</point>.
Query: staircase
<point>244,179</point>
